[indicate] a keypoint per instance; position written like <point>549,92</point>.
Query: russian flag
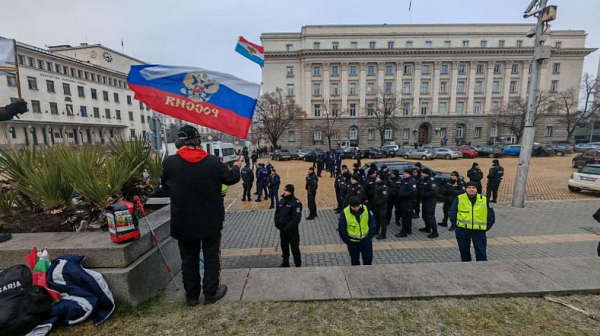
<point>216,100</point>
<point>251,51</point>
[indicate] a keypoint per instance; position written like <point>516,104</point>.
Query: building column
<point>307,90</point>
<point>344,87</point>
<point>524,79</point>
<point>326,85</point>
<point>471,96</point>
<point>362,88</point>
<point>417,88</point>
<point>506,79</point>
<point>436,88</point>
<point>399,72</point>
<point>544,83</point>
<point>489,82</point>
<point>453,86</point>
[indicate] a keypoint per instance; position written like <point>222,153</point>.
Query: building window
<point>519,43</point>
<point>405,109</point>
<point>443,87</point>
<point>130,116</point>
<point>143,119</point>
<point>370,88</point>
<point>72,72</point>
<point>424,107</point>
<point>21,59</point>
<point>444,69</point>
<point>335,89</point>
<point>483,44</point>
<point>290,89</point>
<point>107,114</point>
<point>335,70</point>
<point>409,44</point>
<point>353,133</point>
<point>97,113</point>
<point>461,87</point>
<point>480,69</point>
<point>116,96</point>
<point>353,110</point>
<point>80,92</point>
<point>352,88</point>
<point>370,109</point>
<point>289,71</point>
<point>335,109</point>
<point>32,83</point>
<point>556,68</point>
<point>83,111</point>
<point>105,95</point>
<point>371,45</point>
<point>335,135</point>
<point>406,133</point>
<point>407,69</point>
<point>495,105</point>
<point>496,86</point>
<point>515,69</point>
<point>53,108</point>
<point>335,45</point>
<point>93,77</point>
<point>79,73</point>
<point>425,69</point>
<point>497,69</point>
<point>86,75</point>
<point>35,106</point>
<point>424,87</point>
<point>371,70</point>
<point>388,134</point>
<point>129,100</point>
<point>69,109</point>
<point>317,71</point>
<point>388,107</point>
<point>40,64</point>
<point>477,108</point>
<point>460,131</point>
<point>447,44</point>
<point>389,69</point>
<point>291,136</point>
<point>353,70</point>
<point>118,114</point>
<point>460,108</point>
<point>48,66</point>
<point>371,134</point>
<point>465,44</point>
<point>316,45</point>
<point>65,71</point>
<point>317,110</point>
<point>443,132</point>
<point>554,86</point>
<point>494,132</point>
<point>558,44</point>
<point>317,89</point>
<point>56,68</point>
<point>67,89</point>
<point>501,44</point>
<point>427,44</point>
<point>390,45</point>
<point>31,62</point>
<point>388,88</point>
<point>513,86</point>
<point>548,131</point>
<point>353,45</point>
<point>11,79</point>
<point>462,69</point>
<point>94,94</point>
<point>443,108</point>
<point>478,132</point>
<point>289,47</point>
<point>478,86</point>
<point>406,88</point>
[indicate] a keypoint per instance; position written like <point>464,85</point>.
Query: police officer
<point>428,190</point>
<point>380,205</point>
<point>339,196</point>
<point>268,168</point>
<point>407,193</point>
<point>494,178</point>
<point>386,172</point>
<point>287,220</point>
<point>261,180</point>
<point>320,161</point>
<point>248,179</point>
<point>394,182</point>
<point>475,175</point>
<point>472,215</point>
<point>274,182</point>
<point>312,183</point>
<point>450,191</point>
<point>254,158</point>
<point>331,164</point>
<point>355,189</point>
<point>416,174</point>
<point>369,185</point>
<point>357,228</point>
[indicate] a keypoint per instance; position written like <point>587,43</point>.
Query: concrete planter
<point>134,271</point>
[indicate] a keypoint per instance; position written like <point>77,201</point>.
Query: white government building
<point>450,79</point>
<point>76,94</point>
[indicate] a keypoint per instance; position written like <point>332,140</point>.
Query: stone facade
<point>447,79</point>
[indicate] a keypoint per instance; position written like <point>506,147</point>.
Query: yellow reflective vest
<point>472,216</point>
<point>223,190</point>
<point>357,230</point>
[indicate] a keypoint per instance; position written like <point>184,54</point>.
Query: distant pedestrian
<point>428,190</point>
<point>274,182</point>
<point>287,219</point>
<point>248,180</point>
<point>312,183</point>
<point>356,228</point>
<point>380,204</point>
<point>254,159</point>
<point>494,178</point>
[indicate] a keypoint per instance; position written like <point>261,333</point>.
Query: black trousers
<point>417,206</point>
<point>190,265</point>
<point>364,248</point>
<point>393,203</point>
<point>429,214</point>
<point>340,200</point>
<point>247,190</point>
<point>381,218</point>
<point>312,205</point>
<point>406,210</point>
<point>446,208</point>
<point>492,190</point>
<point>291,239</point>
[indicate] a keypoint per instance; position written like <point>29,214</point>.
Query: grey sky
<point>204,33</point>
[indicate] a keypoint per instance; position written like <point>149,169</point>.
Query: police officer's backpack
<point>22,305</point>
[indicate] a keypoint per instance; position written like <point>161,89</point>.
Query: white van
<point>223,150</point>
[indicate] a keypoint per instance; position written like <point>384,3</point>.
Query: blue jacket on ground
<point>491,215</point>
<point>344,232</point>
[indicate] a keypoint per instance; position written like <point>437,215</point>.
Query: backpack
<point>22,305</point>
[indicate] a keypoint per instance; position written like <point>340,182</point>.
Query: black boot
<point>285,264</point>
<point>191,302</point>
<point>452,227</point>
<point>210,299</point>
<point>402,234</point>
<point>425,229</point>
<point>444,224</point>
<point>381,236</point>
<point>434,234</point>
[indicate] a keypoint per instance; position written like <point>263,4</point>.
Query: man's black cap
<point>354,201</point>
<point>188,132</point>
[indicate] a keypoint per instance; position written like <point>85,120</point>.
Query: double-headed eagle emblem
<point>199,87</point>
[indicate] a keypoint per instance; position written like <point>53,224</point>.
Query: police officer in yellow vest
<point>357,229</point>
<point>472,215</point>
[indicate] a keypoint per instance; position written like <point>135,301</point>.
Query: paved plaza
<point>544,229</point>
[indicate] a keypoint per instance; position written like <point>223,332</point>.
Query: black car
<point>491,152</point>
<point>280,155</point>
<point>312,156</point>
<point>372,153</point>
<point>590,156</point>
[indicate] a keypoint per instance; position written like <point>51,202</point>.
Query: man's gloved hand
<point>17,108</point>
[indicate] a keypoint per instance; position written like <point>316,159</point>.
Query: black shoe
<point>191,302</point>
<point>243,200</point>
<point>298,265</point>
<point>257,200</point>
<point>433,235</point>
<point>381,237</point>
<point>210,299</point>
<point>271,207</point>
<point>452,228</point>
<point>285,264</point>
<point>310,218</point>
<point>443,224</point>
<point>401,235</point>
<point>428,230</point>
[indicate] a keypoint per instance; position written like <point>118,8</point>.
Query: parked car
<point>299,154</point>
<point>491,152</point>
<point>372,153</point>
<point>351,153</point>
<point>590,157</point>
<point>587,178</point>
<point>389,150</point>
<point>468,152</point>
<point>419,153</point>
<point>337,151</point>
<point>560,149</point>
<point>583,147</point>
<point>447,153</point>
<point>542,150</point>
<point>311,156</point>
<point>280,155</point>
<point>402,151</point>
<point>512,150</point>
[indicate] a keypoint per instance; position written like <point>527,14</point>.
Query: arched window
<point>317,136</point>
<point>460,131</point>
<point>353,133</point>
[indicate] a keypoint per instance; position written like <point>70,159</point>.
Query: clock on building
<point>107,56</point>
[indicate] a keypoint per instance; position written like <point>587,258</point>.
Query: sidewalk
<point>531,277</point>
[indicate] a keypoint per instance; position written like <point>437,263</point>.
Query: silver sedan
<point>447,153</point>
<point>419,154</point>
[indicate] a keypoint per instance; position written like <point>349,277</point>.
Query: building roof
<point>89,46</point>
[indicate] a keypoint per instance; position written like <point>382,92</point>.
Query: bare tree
<point>328,125</point>
<point>275,113</point>
<point>512,117</point>
<point>383,112</point>
<point>577,109</point>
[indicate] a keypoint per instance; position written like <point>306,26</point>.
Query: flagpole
<point>17,69</point>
